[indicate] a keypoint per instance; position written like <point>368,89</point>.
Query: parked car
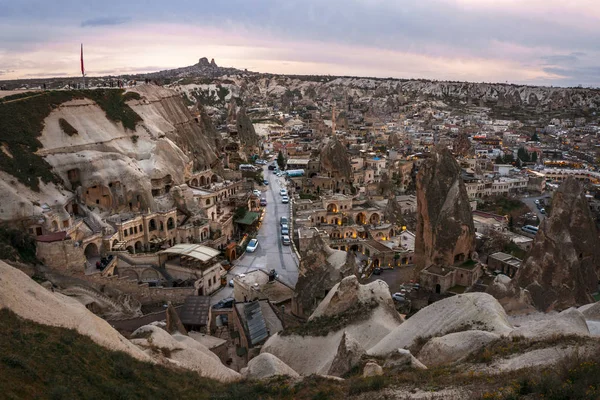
<point>285,226</point>
<point>225,303</point>
<point>231,283</point>
<point>398,297</point>
<point>285,240</point>
<point>257,192</point>
<point>285,231</point>
<point>263,201</point>
<point>265,182</point>
<point>283,221</point>
<point>283,192</point>
<point>543,210</point>
<point>271,167</point>
<point>285,199</point>
<point>377,271</point>
<point>252,246</point>
<point>537,202</point>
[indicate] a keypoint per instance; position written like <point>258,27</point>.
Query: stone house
<point>194,262</point>
<point>504,263</point>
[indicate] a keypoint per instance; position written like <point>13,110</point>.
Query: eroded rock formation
<point>334,160</point>
<point>246,132</point>
<point>445,231</point>
<point>348,356</point>
<point>462,145</point>
<point>562,267</point>
<point>393,212</point>
<point>321,268</point>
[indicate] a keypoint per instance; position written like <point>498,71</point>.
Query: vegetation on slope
<point>67,127</point>
<point>43,362</point>
<point>22,122</point>
<point>16,245</point>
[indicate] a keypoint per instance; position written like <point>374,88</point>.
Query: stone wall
<point>142,292</point>
<point>63,255</point>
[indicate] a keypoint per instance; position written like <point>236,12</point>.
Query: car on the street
<point>263,201</point>
<point>225,303</point>
<point>398,297</point>
<point>285,240</point>
<point>285,199</point>
<point>265,182</point>
<point>285,231</point>
<point>252,246</point>
<point>283,192</point>
<point>377,271</point>
<point>271,167</point>
<point>256,192</point>
<point>537,202</point>
<point>283,221</point>
<point>543,210</point>
<point>285,226</point>
<point>231,283</point>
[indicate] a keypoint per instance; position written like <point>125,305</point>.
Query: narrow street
<point>271,253</point>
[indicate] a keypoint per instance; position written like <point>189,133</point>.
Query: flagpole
<point>82,68</point>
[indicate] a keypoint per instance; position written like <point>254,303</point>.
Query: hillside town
<point>245,225</point>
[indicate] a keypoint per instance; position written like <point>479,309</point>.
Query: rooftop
<point>196,251</point>
<point>195,310</point>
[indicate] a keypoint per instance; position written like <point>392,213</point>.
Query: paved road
<point>530,201</point>
<point>270,254</point>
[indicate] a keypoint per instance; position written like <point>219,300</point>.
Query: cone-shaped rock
<point>561,269</point>
<point>445,231</point>
<point>334,159</point>
<point>174,323</point>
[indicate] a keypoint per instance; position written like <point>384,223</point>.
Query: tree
<point>535,137</point>
<point>280,160</point>
<point>523,154</point>
<point>534,156</point>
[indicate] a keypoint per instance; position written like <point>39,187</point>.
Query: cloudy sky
<point>545,42</point>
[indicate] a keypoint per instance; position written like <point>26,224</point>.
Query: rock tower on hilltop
<point>562,268</point>
<point>445,231</point>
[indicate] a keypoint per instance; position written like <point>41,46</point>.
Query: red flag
<point>82,69</point>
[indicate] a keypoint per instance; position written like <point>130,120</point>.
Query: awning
<point>249,218</point>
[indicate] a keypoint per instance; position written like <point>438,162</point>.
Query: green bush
<point>67,127</point>
<point>16,245</point>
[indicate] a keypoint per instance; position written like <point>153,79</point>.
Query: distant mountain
<point>203,69</point>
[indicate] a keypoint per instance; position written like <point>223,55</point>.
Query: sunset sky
<point>547,42</point>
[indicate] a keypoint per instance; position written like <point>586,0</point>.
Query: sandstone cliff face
<point>321,268</point>
<point>562,268</point>
<point>166,145</point>
<point>445,231</point>
<point>334,160</point>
